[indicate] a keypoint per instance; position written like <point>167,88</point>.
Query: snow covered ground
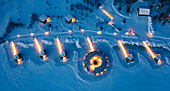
<point>52,74</point>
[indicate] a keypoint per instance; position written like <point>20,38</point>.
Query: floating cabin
<point>44,19</point>
<point>69,18</point>
<point>143,12</point>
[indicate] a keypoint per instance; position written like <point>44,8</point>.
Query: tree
<point>101,28</point>
<point>155,16</point>
<point>124,20</point>
<point>164,22</point>
<point>119,8</point>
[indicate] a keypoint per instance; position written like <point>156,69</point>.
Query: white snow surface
<point>51,74</point>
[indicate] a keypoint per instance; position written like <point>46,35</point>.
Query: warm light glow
<point>110,23</point>
<point>97,59</point>
<point>18,35</point>
<point>82,30</point>
<point>69,31</point>
<point>97,74</point>
<point>114,33</point>
<point>106,13</point>
<point>64,59</point>
<point>37,45</point>
<point>101,73</point>
<point>48,19</point>
<point>123,49</point>
<point>46,33</point>
<point>73,19</point>
<point>32,34</point>
<point>59,45</point>
<point>127,33</point>
<point>90,44</point>
<point>44,56</point>
<point>149,50</point>
<point>159,61</point>
<point>93,65</point>
<point>99,32</point>
<point>14,50</point>
<point>19,61</point>
<point>92,68</point>
<point>151,53</point>
<point>131,31</point>
<point>149,35</point>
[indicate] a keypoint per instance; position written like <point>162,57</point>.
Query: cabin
<point>143,12</point>
<point>69,18</point>
<point>44,19</point>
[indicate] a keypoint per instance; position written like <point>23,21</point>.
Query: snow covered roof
<point>68,17</point>
<point>43,18</point>
<point>144,12</point>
